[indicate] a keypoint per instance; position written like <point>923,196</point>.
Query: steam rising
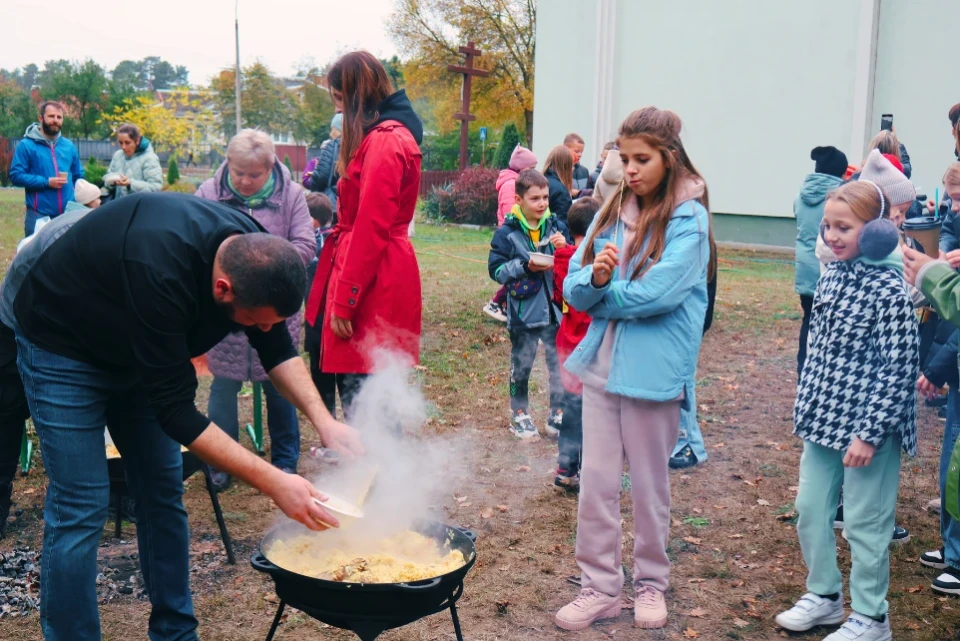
<point>412,471</point>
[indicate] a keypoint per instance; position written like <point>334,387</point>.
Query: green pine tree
<point>173,171</point>
<point>509,140</point>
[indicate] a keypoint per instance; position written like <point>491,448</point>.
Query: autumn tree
<point>81,87</point>
<point>16,109</point>
<point>264,101</point>
<point>174,125</point>
<point>312,114</point>
<point>151,73</point>
<point>429,34</point>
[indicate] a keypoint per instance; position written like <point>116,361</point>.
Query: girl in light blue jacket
<point>642,276</point>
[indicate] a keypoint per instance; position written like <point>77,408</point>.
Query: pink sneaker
<point>589,607</point>
<point>649,608</point>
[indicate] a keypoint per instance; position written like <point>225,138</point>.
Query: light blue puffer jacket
<point>808,209</point>
<point>659,316</point>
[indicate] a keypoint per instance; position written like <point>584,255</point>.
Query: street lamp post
<point>236,26</point>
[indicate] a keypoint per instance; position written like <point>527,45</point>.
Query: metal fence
<point>103,151</point>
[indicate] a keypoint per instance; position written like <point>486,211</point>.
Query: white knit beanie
<point>85,193</point>
<point>895,185</point>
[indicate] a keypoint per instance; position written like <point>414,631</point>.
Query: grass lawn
<point>736,559</point>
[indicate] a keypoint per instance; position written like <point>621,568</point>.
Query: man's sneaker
<point>649,609</point>
<point>934,506</point>
<point>933,559</point>
<point>900,535</point>
<point>586,609</point>
<point>554,423</point>
<point>810,611</point>
<point>684,459</point>
<point>838,519</point>
<point>862,628</point>
<point>948,582</point>
<point>522,426</point>
<point>569,483</point>
<point>495,312</point>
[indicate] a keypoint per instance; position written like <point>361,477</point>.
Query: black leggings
<point>806,302</point>
<point>329,384</point>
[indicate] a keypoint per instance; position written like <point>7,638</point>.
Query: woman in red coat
<point>366,294</point>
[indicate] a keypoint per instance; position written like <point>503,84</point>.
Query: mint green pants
<point>869,509</point>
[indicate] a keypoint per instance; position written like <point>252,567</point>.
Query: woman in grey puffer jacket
<point>252,180</point>
<point>135,167</point>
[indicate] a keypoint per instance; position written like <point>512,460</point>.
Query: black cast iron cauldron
<point>368,609</point>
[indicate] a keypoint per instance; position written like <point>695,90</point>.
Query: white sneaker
<point>495,312</point>
<point>933,559</point>
<point>947,583</point>
<point>552,428</point>
<point>862,628</point>
<point>810,611</point>
<point>522,426</point>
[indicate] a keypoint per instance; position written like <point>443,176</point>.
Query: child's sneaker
<point>649,609</point>
<point>838,519</point>
<point>863,628</point>
<point>810,611</point>
<point>948,582</point>
<point>568,482</point>
<point>495,312</point>
<point>522,425</point>
<point>554,423</point>
<point>591,606</point>
<point>900,535</point>
<point>934,506</point>
<point>933,559</point>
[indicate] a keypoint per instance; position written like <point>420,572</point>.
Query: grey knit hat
<point>895,185</point>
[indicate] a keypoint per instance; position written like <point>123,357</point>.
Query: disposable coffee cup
<point>63,175</point>
<point>926,231</point>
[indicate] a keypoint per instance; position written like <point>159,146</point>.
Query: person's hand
<point>574,193</point>
<point>56,182</point>
<point>931,206</point>
<point>123,181</point>
<point>859,454</point>
<point>536,269</point>
<point>604,264</point>
<point>558,241</point>
<point>952,257</point>
<point>925,387</point>
<point>294,495</point>
<point>913,261</point>
<point>342,328</point>
<point>341,438</point>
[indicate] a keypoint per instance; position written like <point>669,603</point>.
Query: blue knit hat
<point>337,122</point>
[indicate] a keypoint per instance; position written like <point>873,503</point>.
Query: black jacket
<point>324,177</point>
<point>129,289</point>
<point>942,369</point>
<point>560,199</point>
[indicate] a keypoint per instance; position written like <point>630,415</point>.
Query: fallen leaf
<point>750,483</point>
<point>913,626</point>
<point>794,488</point>
<point>30,490</point>
<point>486,513</point>
<point>719,507</point>
<point>698,612</point>
<point>459,499</point>
<point>788,516</point>
<point>676,522</point>
<point>466,504</point>
<point>503,508</point>
<point>915,589</point>
<point>735,536</point>
<point>718,446</point>
<point>696,580</point>
<point>502,606</point>
<point>523,468</point>
<point>692,539</point>
<point>740,623</point>
<point>763,502</point>
<point>737,584</point>
<point>271,598</point>
<point>690,633</point>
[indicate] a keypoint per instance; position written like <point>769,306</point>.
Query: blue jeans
<point>30,221</point>
<point>690,433</point>
<point>70,403</point>
<point>949,529</point>
<point>281,419</point>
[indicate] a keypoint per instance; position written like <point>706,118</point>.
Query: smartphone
<point>886,122</point>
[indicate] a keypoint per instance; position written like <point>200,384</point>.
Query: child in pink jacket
<point>521,158</point>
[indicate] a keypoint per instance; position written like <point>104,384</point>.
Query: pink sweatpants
<point>644,431</point>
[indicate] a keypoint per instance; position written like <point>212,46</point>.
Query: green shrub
<point>475,197</point>
<point>94,172</point>
<point>438,205</point>
<point>173,171</point>
<point>286,161</point>
<point>181,188</point>
<point>509,140</point>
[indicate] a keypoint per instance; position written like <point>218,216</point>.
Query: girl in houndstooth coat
<point>855,411</point>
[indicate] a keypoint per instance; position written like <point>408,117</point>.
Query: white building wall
<point>758,84</point>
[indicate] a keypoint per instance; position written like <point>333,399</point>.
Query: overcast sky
<point>195,33</point>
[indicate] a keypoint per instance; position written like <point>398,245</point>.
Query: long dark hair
<point>661,130</point>
<point>364,83</point>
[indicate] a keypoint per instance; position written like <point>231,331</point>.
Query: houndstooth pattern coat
<point>862,360</point>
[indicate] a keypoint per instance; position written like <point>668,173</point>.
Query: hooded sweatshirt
<point>808,210</point>
<point>397,107</point>
<point>690,187</point>
<point>37,160</point>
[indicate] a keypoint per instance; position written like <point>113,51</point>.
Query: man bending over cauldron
<point>106,322</point>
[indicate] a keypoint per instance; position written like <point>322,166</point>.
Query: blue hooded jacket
<point>37,160</point>
<point>808,210</point>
